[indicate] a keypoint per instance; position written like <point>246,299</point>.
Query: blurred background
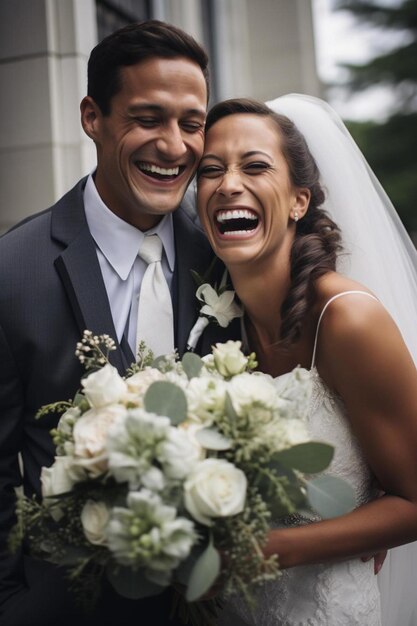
<point>361,56</point>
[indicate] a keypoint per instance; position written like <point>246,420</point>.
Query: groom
<point>75,266</point>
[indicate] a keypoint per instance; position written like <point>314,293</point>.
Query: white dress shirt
<point>117,245</point>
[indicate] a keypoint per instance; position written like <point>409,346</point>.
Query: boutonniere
<point>219,305</point>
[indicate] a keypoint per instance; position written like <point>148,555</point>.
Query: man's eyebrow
<point>156,108</point>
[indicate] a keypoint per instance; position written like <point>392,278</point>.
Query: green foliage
<point>204,572</point>
<point>211,439</point>
<point>54,407</point>
<point>391,150</point>
<point>311,457</point>
<point>390,147</point>
<point>165,398</point>
<point>244,562</point>
<point>191,364</point>
<point>330,496</point>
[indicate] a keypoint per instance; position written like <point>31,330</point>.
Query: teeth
<point>238,233</point>
<point>235,214</point>
<point>163,171</point>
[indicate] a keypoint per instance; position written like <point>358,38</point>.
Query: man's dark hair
<point>132,44</point>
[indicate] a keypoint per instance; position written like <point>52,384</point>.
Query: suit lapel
<point>80,273</point>
<point>192,252</point>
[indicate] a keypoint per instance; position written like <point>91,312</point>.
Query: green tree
<point>391,146</point>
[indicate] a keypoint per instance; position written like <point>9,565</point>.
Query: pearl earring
<point>295,218</point>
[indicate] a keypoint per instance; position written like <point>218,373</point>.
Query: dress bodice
<point>328,421</point>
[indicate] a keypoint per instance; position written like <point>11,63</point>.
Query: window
<point>113,14</point>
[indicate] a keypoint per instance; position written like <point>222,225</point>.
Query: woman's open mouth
<point>236,222</point>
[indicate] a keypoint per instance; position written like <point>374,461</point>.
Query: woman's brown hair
<point>317,240</point>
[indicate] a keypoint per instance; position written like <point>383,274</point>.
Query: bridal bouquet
<point>163,475</point>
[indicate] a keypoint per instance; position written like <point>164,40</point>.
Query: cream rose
<point>59,478</point>
<point>251,390</point>
<point>90,438</point>
<point>215,488</point>
<point>104,387</point>
<point>139,382</point>
<point>94,520</point>
<point>229,359</point>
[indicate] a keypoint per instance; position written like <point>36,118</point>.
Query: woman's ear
<point>301,203</point>
<point>90,117</point>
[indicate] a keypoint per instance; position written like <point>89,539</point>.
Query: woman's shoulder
<point>338,295</point>
<point>332,285</point>
<point>349,314</point>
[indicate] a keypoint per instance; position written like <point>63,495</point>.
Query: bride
<point>272,213</point>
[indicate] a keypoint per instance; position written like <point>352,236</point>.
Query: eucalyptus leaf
<point>311,457</point>
<point>159,363</point>
<point>131,583</point>
<point>211,439</point>
<point>192,364</point>
<point>330,496</point>
<point>165,398</point>
<point>229,408</point>
<point>204,573</point>
<point>185,568</point>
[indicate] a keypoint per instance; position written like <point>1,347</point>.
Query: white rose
<point>215,488</point>
<point>178,454</point>
<point>67,420</point>
<point>253,390</point>
<point>229,359</point>
<point>139,383</point>
<point>295,387</point>
<point>205,399</point>
<point>104,387</point>
<point>58,478</point>
<point>94,520</point>
<point>90,437</point>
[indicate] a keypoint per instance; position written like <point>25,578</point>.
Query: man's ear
<point>302,201</point>
<point>90,117</point>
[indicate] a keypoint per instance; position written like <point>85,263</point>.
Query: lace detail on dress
<point>340,594</point>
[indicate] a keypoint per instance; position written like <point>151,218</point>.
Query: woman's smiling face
<point>245,195</point>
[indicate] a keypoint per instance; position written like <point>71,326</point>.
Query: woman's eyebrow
<point>244,156</point>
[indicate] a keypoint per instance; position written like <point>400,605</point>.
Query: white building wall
<point>44,47</point>
<point>261,48</point>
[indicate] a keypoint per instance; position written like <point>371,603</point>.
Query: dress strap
<point>338,295</point>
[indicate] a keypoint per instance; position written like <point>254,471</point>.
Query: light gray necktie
<point>155,317</point>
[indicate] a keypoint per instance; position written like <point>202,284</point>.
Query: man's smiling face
<point>149,146</point>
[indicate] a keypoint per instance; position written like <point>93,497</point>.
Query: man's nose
<point>171,143</point>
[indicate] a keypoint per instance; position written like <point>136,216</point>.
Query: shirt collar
<point>118,240</point>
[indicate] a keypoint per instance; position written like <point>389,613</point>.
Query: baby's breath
<point>93,350</point>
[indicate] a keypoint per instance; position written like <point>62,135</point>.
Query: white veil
<point>380,255</point>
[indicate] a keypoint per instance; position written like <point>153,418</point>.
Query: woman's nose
<point>230,183</point>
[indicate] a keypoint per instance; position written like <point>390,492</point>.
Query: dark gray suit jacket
<point>51,289</point>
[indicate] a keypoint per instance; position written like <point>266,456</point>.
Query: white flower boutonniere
<point>218,305</point>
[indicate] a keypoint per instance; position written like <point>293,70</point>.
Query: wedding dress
<point>337,594</point>
<point>380,255</point>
